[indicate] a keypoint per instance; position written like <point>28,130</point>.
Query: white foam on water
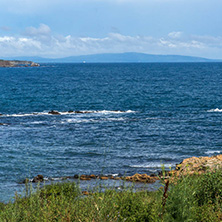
<point>114,119</point>
<point>25,114</point>
<point>213,151</point>
<point>69,113</point>
<point>103,111</point>
<point>114,111</point>
<point>81,120</point>
<point>214,110</point>
<point>78,121</point>
<point>115,174</point>
<point>36,122</point>
<point>154,165</point>
<point>56,178</point>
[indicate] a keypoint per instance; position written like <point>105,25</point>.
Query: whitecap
<point>36,122</point>
<point>81,120</point>
<point>215,110</point>
<point>78,121</point>
<point>69,113</point>
<point>212,151</point>
<point>154,165</point>
<point>114,119</point>
<point>25,114</point>
<point>103,111</point>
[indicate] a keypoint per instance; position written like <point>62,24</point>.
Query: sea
<point>115,119</point>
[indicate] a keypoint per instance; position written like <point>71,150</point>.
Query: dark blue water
<point>140,116</point>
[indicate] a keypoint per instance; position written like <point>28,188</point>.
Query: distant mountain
<point>130,57</point>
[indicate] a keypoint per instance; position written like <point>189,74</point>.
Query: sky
<point>62,28</point>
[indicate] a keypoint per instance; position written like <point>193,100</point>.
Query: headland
<point>17,63</point>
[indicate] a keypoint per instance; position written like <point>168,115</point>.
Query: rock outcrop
<point>54,112</point>
<point>142,178</point>
<point>17,63</point>
<point>197,165</point>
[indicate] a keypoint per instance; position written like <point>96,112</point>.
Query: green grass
<point>192,198</point>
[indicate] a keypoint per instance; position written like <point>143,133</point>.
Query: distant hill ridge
<point>130,57</point>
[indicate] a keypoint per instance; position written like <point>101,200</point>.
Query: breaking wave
<point>154,165</point>
<point>215,110</point>
<point>53,112</point>
<point>213,152</point>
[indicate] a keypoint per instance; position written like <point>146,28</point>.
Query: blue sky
<point>59,28</point>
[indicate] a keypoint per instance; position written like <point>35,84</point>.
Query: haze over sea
<point>139,117</point>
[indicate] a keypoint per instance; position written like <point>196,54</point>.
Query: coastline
<point>193,197</point>
<point>17,63</point>
<point>189,166</point>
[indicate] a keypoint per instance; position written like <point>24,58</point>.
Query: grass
<point>191,198</point>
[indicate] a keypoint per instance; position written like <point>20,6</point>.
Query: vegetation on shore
<point>189,198</point>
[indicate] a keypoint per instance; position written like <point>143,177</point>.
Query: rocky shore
<point>189,166</point>
<point>197,165</point>
<point>17,63</point>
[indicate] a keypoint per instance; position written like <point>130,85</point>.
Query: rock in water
<point>54,112</point>
<point>38,178</point>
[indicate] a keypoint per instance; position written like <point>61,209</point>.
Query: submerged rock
<point>76,176</point>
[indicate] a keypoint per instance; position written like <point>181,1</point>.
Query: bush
<point>191,198</point>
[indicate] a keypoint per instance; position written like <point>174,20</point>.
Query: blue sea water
<point>138,117</point>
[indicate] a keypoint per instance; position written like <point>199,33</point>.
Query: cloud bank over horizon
<point>55,28</point>
<point>41,41</point>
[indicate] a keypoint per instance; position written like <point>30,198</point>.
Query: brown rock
<point>142,178</point>
<point>84,177</point>
<point>197,165</point>
<point>104,178</point>
<point>85,192</point>
<point>38,178</point>
<point>92,176</point>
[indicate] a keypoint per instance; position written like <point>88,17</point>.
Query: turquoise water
<point>138,117</point>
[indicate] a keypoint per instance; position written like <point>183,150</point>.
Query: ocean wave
<point>52,113</point>
<point>24,114</point>
<point>212,151</point>
<point>215,110</point>
<point>81,120</point>
<point>78,121</point>
<point>154,165</point>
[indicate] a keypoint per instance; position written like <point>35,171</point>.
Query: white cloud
<point>175,35</point>
<point>42,30</point>
<point>41,42</point>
